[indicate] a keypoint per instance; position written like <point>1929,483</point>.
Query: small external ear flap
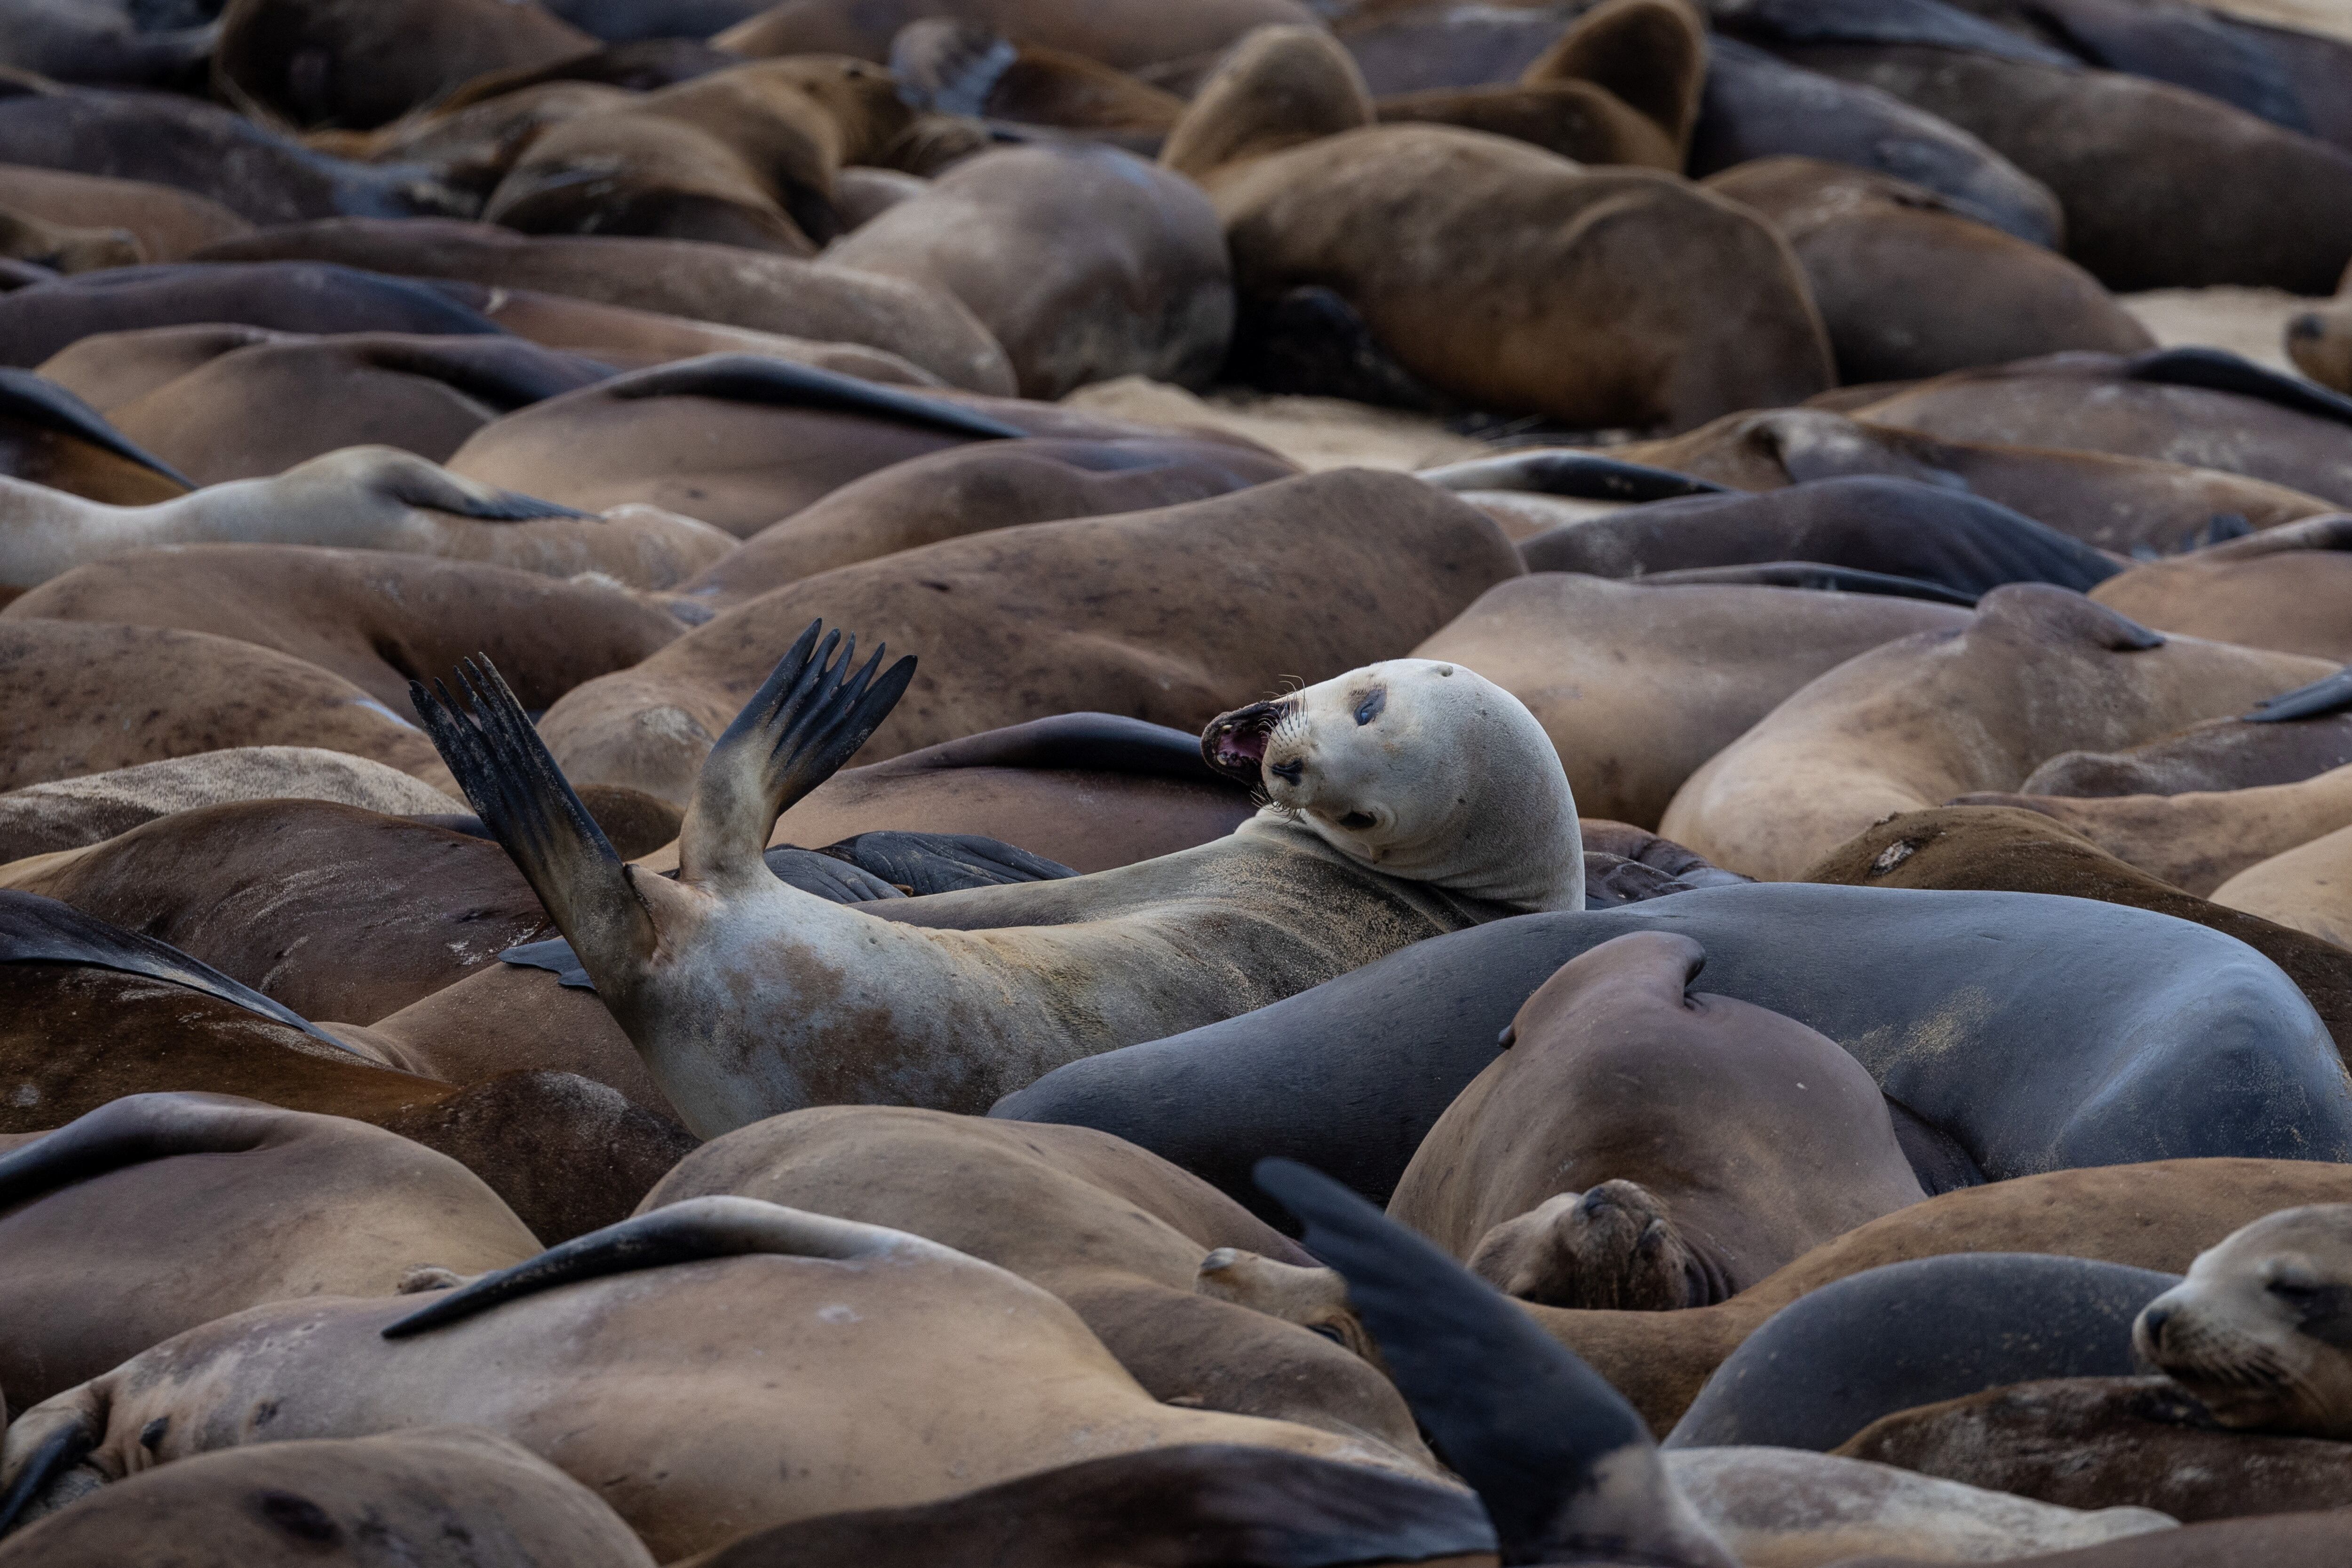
<point>1651,54</point>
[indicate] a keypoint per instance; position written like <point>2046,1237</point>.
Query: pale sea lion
<point>177,1209</point>
<point>166,222</point>
<point>942,1374</point>
<point>1918,722</point>
<point>1388,837</point>
<point>378,618</point>
<point>366,497</point>
<point>1171,616</point>
<point>1282,140</point>
<point>2286,588</point>
<point>360,64</point>
<point>2308,887</point>
<point>1597,1162</point>
<point>408,1495</point>
<point>2257,1333</point>
<point>1638,685</point>
<point>1086,263</point>
<point>1973,295</point>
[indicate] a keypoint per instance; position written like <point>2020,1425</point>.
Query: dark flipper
<point>2219,370</point>
<point>61,1452</point>
<point>523,798</point>
<point>2328,694</point>
<point>35,929</point>
<point>808,718</point>
<point>756,378</point>
<point>130,1131</point>
<point>1815,575</point>
<point>1579,475</point>
<point>1565,1467</point>
<point>38,400</point>
<point>685,1232</point>
<point>943,862</point>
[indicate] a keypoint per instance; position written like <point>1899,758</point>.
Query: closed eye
<point>1369,708</point>
<point>1358,820</point>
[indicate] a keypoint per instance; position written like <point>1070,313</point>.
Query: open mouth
<point>1234,743</point>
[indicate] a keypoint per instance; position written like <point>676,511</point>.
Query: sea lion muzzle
<point>1234,743</point>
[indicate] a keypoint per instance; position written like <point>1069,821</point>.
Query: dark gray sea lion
<point>1912,1334</point>
<point>108,43</point>
<point>314,62</point>
<point>1353,1074</point>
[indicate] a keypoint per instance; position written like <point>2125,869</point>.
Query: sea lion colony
<point>664,898</point>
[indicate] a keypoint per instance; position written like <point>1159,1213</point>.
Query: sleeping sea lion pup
<point>2261,1330</point>
<point>1407,799</point>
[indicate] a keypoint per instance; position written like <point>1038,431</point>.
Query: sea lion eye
<point>1369,708</point>
<point>1357,819</point>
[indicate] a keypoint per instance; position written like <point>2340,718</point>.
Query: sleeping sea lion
<point>946,66</point>
<point>2294,735</point>
<point>1639,685</point>
<point>108,43</point>
<point>1918,722</point>
<point>2258,1333</point>
<point>1120,33</point>
<point>1312,192</point>
<point>2320,343</point>
<point>2304,887</point>
<point>54,440</point>
<point>1600,1161</point>
<point>167,223</point>
<point>2286,588</point>
<point>370,498</point>
<point>1386,833</point>
<point>309,63</point>
<point>1972,295</point>
<point>182,1208</point>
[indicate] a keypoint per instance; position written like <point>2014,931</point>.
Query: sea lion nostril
<point>1289,772</point>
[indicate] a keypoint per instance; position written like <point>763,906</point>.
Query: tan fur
<point>2288,588</point>
<point>2243,1332</point>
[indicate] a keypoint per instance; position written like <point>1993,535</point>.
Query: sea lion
<point>2119,504</point>
<point>35,819</point>
<point>1906,1334</point>
<point>166,139</point>
<point>709,283</point>
<point>1639,685</point>
<point>54,440</point>
<point>376,618</point>
<point>2294,735</point>
<point>2005,850</point>
<point>1283,139</point>
<point>946,66</point>
<point>1171,616</point>
<point>167,223</point>
<point>1117,1233</point>
<point>108,43</point>
<point>1124,33</point>
<point>975,489</point>
<point>1086,263</point>
<point>920,1372</point>
<point>261,406</point>
<point>407,1495</point>
<point>1929,990</point>
<point>565,1155</point>
<point>2319,341</point>
<point>2256,1333</point>
<point>323,64</point>
<point>2303,888</point>
<point>2284,588</point>
<point>2272,208</point>
<point>744,156</point>
<point>2101,1442</point>
<point>1569,1172</point>
<point>2202,407</point>
<point>1973,296</point>
<point>82,696</point>
<point>367,498</point>
<point>1386,834</point>
<point>1937,715</point>
<point>739,440</point>
<point>181,1208</point>
<point>23,237</point>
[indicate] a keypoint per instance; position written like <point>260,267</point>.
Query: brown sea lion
<point>1113,1230</point>
<point>1637,686</point>
<point>740,441</point>
<point>2306,886</point>
<point>975,489</point>
<point>402,1496</point>
<point>2256,1333</point>
<point>2120,504</point>
<point>2295,735</point>
<point>314,62</point>
<point>1972,295</point>
<point>2286,588</point>
<point>947,66</point>
<point>1120,33</point>
<point>82,697</point>
<point>1596,1162</point>
<point>2104,1441</point>
<point>167,223</point>
<point>2200,407</point>
<point>37,819</point>
<point>378,619</point>
<point>2007,850</point>
<point>1313,193</point>
<point>60,248</point>
<point>1086,263</point>
<point>370,498</point>
<point>711,283</point>
<point>176,1209</point>
<point>1918,722</point>
<point>1104,616</point>
<point>916,1373</point>
<point>2320,343</point>
<point>744,156</point>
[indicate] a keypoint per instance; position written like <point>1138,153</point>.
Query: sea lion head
<point>1614,1246</point>
<point>2261,1330</point>
<point>1422,769</point>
